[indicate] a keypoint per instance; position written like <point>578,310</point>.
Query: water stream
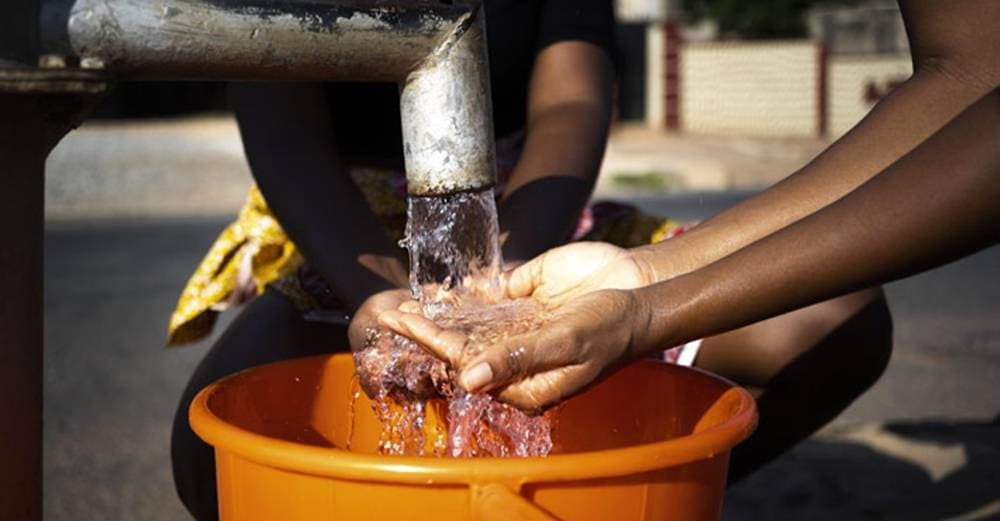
<point>455,264</point>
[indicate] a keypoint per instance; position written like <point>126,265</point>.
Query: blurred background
<point>717,99</point>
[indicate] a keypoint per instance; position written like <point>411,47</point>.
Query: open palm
<point>582,340</point>
<point>565,273</point>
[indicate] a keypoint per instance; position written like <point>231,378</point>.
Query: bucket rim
<point>333,462</point>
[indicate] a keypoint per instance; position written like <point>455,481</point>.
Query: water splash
<point>454,249</point>
<point>455,264</point>
<point>402,378</point>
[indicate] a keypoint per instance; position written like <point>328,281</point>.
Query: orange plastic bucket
<point>650,442</point>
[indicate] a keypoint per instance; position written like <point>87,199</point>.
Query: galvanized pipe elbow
<point>447,116</point>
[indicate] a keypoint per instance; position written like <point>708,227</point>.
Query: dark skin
<point>905,220</point>
<point>287,134</point>
<point>785,359</point>
<point>569,112</point>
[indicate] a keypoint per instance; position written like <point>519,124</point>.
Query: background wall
<point>856,82</point>
<point>750,88</point>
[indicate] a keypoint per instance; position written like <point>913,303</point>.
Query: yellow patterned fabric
<point>632,228</point>
<point>249,253</point>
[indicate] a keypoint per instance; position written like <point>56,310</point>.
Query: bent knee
<point>856,324</point>
<point>856,352</point>
<point>193,463</point>
<point>874,327</point>
<point>846,341</point>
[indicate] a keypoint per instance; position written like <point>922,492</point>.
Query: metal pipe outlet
<point>436,51</point>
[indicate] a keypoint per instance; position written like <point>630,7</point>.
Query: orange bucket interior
<point>296,440</point>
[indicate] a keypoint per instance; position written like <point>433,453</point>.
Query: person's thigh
<point>804,367</point>
<point>755,354</point>
<point>269,329</point>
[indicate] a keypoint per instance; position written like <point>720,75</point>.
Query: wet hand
<point>582,340</point>
<point>568,272</point>
<point>367,315</point>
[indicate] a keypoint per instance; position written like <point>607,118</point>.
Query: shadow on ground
<point>913,471</point>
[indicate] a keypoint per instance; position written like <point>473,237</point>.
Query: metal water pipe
<point>435,51</point>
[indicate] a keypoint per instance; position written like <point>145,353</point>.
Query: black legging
<point>268,330</point>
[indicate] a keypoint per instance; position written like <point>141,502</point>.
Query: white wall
<point>641,10</point>
<point>750,88</point>
<point>849,78</point>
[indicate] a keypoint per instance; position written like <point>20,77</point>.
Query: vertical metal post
<point>38,107</point>
<point>21,201</point>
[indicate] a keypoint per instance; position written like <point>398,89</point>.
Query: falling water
<point>454,249</point>
<point>455,265</point>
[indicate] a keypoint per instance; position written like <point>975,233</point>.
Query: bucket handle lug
<point>496,502</point>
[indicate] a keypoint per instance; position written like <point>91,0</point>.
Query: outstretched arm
<point>954,47</point>
<point>290,143</point>
<point>937,203</point>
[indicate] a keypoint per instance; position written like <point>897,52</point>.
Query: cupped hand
<point>367,315</point>
<point>582,339</point>
<point>571,271</point>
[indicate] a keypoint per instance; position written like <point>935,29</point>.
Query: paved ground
<point>923,445</point>
<point>147,168</point>
<point>639,159</point>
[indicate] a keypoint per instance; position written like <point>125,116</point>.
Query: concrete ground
<point>924,444</point>
<point>639,160</point>
<point>167,168</point>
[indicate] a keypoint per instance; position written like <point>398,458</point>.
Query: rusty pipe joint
<point>435,50</point>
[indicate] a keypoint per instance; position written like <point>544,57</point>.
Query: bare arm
<point>835,226</point>
<point>569,111</point>
<point>290,143</point>
<point>938,203</point>
<point>954,47</point>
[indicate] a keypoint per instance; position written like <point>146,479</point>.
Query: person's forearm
<point>569,112</point>
<point>949,75</point>
<point>934,205</point>
<point>290,146</point>
<point>555,178</point>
